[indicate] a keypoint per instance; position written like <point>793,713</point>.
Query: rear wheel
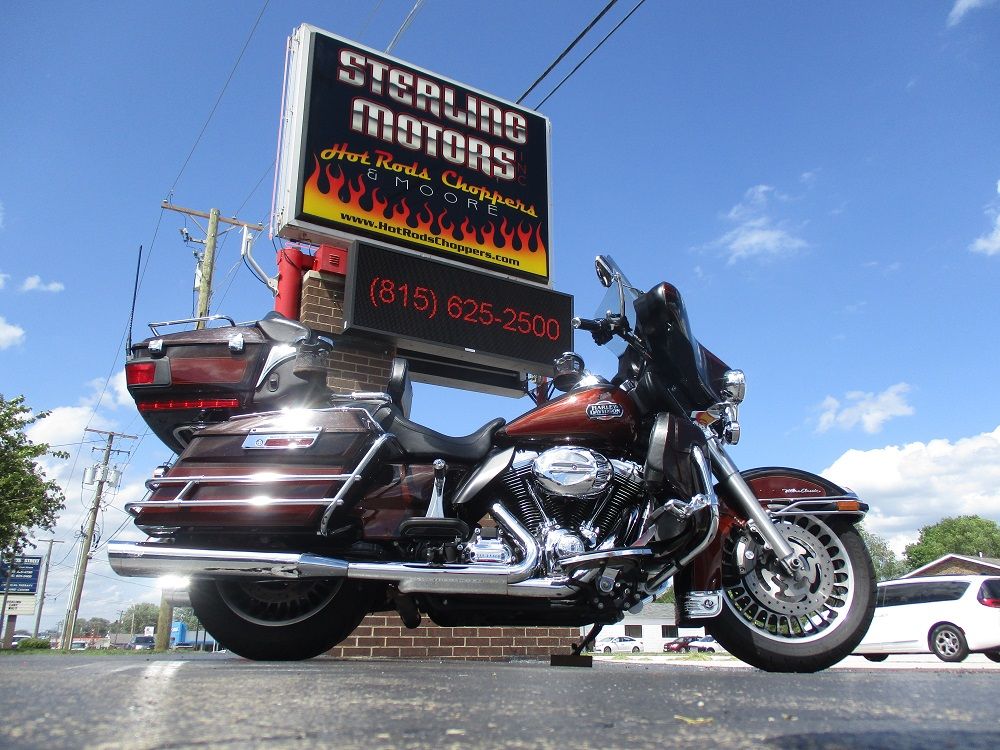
<point>278,619</point>
<point>876,657</point>
<point>948,643</point>
<point>992,655</point>
<point>635,649</point>
<point>780,623</point>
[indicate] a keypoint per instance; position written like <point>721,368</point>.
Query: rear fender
<point>780,490</point>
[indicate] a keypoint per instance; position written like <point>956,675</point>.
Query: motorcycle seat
<point>422,443</point>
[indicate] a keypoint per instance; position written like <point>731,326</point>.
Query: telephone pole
<point>80,571</point>
<point>206,261</point>
<point>45,580</point>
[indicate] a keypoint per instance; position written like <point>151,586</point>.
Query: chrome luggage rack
<point>190,483</point>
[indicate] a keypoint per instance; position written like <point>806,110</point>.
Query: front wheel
<point>279,620</point>
<point>781,623</point>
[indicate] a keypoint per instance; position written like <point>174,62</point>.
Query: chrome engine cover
<point>577,472</point>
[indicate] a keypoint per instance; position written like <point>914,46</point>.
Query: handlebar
<point>586,324</point>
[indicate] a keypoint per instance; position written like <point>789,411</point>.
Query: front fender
<point>779,490</point>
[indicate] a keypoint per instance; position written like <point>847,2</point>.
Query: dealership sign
<point>375,148</point>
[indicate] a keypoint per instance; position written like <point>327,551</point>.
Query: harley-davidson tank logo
<point>604,410</point>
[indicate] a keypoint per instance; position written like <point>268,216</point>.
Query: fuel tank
<point>600,415</point>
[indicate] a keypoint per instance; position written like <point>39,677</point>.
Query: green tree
<point>95,626</point>
<point>145,614</point>
<point>887,565</point>
<point>959,535</point>
<point>27,499</point>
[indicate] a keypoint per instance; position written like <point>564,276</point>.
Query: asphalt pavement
<point>222,701</point>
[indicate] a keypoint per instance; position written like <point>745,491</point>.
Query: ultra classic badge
<point>603,410</point>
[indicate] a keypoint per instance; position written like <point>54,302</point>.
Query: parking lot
<point>647,701</point>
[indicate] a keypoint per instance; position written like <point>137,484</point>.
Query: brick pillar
<point>357,364</point>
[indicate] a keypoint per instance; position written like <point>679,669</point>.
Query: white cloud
<point>918,484</point>
<point>757,234</point>
<point>870,410</point>
<point>34,284</point>
<point>962,7</point>
<point>10,334</point>
<point>3,279</point>
<point>989,243</point>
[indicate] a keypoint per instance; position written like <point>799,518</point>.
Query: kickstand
<point>591,636</point>
<point>577,658</point>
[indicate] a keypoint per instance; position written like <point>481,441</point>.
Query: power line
<point>368,20</point>
<point>566,51</point>
<point>219,98</point>
<point>406,24</point>
<point>580,64</point>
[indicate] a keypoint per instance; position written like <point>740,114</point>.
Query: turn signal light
<point>140,373</point>
<point>178,404</point>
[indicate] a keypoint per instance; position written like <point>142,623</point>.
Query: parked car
<point>78,646</point>
<point>680,645</point>
<point>706,643</point>
<point>142,643</point>
<point>948,616</point>
<point>620,644</point>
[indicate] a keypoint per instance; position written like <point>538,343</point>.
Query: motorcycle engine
<point>574,500</point>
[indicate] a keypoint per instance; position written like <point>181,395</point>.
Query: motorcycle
<point>295,523</point>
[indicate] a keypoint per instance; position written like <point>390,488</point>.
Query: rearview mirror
<point>604,272</point>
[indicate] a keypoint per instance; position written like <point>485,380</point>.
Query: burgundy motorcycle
<point>295,523</point>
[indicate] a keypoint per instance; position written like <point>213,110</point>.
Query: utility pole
<point>206,261</point>
<point>80,571</point>
<point>45,578</point>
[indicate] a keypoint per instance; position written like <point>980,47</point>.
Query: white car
<point>620,644</point>
<point>706,643</point>
<point>948,616</point>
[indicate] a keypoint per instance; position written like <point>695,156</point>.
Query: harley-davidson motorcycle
<point>296,512</point>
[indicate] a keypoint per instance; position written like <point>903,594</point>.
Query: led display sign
<point>443,309</point>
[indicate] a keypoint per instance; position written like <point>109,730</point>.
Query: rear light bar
<point>198,403</point>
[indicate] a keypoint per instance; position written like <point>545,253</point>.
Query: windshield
<point>611,303</point>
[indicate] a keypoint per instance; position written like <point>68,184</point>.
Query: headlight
<point>734,386</point>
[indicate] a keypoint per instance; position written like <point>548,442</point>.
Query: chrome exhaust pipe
<point>128,559</point>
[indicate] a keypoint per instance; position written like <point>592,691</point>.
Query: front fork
<point>730,479</point>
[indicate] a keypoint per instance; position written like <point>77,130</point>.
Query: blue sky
<point>821,180</point>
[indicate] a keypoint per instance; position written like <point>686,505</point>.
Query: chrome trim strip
<point>278,354</point>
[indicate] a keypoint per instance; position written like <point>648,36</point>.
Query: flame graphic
<point>329,194</point>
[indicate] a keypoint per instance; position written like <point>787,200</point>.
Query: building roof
<point>957,565</point>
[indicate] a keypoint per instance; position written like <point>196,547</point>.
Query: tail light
<point>988,601</point>
<point>140,373</point>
